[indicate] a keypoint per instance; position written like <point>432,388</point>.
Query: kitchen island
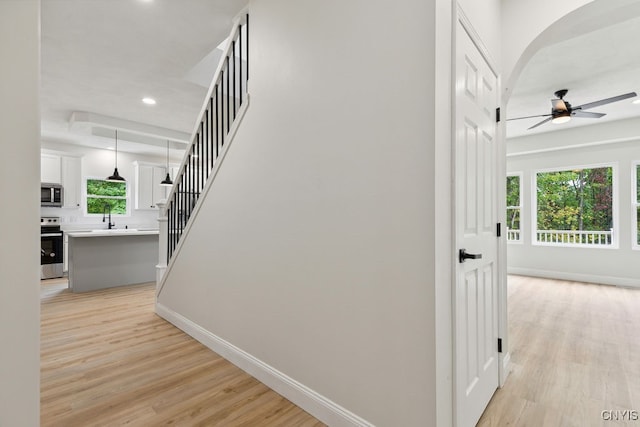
<point>100,259</point>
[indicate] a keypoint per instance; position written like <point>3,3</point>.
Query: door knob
<point>463,255</point>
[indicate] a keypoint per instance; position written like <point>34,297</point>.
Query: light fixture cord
<point>167,155</point>
<point>116,148</point>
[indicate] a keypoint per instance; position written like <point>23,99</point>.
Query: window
<point>575,207</point>
<point>101,193</point>
<point>637,203</point>
<point>514,201</point>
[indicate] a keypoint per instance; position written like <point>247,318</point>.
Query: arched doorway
<point>580,20</point>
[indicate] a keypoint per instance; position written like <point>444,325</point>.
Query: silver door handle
<point>463,255</point>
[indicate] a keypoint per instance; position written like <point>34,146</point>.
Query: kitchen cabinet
<point>148,189</point>
<point>71,181</point>
<point>63,170</point>
<point>50,168</point>
<point>96,258</point>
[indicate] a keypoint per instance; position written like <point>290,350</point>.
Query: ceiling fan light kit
<point>562,111</point>
<point>561,118</point>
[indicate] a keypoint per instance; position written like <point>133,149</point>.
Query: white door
<point>476,291</point>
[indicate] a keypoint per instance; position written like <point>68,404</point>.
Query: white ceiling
<point>596,65</point>
<point>101,57</point>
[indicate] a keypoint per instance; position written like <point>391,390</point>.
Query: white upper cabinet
<point>50,169</point>
<point>63,170</point>
<point>148,189</point>
<point>71,181</point>
<point>144,187</point>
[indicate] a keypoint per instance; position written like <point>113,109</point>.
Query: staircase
<point>223,109</point>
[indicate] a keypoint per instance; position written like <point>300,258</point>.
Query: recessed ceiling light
<point>637,101</point>
<point>149,101</point>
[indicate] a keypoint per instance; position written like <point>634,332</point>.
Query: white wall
<point>19,182</point>
<point>616,143</point>
<point>324,247</point>
<point>99,163</point>
<point>316,250</point>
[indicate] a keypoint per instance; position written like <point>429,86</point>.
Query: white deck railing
<point>575,237</point>
<point>513,235</point>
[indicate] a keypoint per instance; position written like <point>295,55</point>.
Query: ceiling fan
<point>562,111</point>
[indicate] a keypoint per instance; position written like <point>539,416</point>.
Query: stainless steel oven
<point>51,195</point>
<point>51,248</point>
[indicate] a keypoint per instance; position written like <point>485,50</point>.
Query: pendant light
<point>167,181</point>
<point>116,176</point>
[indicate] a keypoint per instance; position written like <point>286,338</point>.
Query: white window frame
<point>520,240</point>
<point>635,204</point>
<point>85,196</point>
<point>614,206</point>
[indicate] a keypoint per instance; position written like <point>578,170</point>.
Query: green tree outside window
<point>513,202</point>
<point>580,199</point>
<point>101,193</point>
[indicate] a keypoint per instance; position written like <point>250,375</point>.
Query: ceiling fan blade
<point>529,117</point>
<point>587,114</point>
<point>605,101</point>
<point>540,123</point>
<point>558,105</point>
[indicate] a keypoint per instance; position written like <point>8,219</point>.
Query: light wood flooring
<point>108,360</point>
<point>575,351</point>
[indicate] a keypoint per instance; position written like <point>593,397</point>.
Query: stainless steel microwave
<point>51,195</point>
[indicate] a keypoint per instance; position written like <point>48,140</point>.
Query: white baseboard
<point>317,405</point>
<point>576,277</point>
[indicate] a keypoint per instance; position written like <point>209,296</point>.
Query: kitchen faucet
<point>107,208</point>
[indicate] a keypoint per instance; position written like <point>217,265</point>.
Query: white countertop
<point>113,232</point>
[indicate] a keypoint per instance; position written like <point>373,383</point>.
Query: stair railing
<point>226,98</point>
